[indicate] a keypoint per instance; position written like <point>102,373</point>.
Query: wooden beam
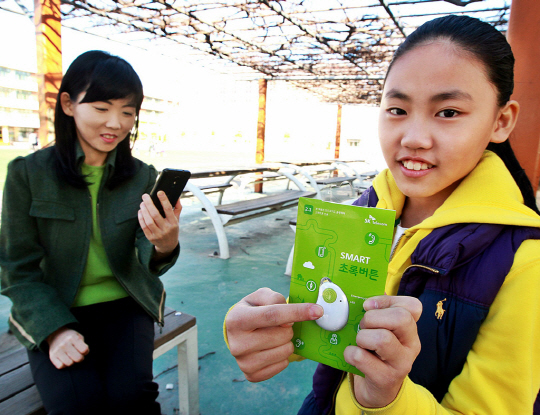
<point>523,35</point>
<point>261,128</point>
<point>47,20</point>
<point>338,132</point>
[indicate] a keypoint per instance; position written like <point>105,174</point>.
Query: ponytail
<point>505,152</point>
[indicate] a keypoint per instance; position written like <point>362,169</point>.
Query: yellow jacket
<point>502,371</point>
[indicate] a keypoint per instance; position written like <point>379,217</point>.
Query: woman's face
<point>100,125</point>
<point>438,113</point>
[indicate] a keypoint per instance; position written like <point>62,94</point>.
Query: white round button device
<point>336,307</point>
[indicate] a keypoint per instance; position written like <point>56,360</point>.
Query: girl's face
<point>100,125</point>
<point>438,113</point>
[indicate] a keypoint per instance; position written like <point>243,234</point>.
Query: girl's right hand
<point>259,332</point>
<point>66,347</point>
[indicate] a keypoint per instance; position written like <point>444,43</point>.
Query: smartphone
<point>172,182</point>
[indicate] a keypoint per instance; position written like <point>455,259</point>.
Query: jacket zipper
<point>434,270</point>
<point>161,322</point>
<point>86,250</point>
<point>395,247</point>
<point>333,406</point>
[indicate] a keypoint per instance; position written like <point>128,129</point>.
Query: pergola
<point>336,49</point>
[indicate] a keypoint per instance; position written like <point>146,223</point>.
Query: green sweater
<point>98,283</point>
<point>45,238</point>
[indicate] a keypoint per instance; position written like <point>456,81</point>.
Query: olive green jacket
<point>44,240</point>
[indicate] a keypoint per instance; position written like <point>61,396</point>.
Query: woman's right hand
<point>259,332</point>
<point>66,347</point>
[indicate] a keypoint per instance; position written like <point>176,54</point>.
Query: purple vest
<point>466,266</point>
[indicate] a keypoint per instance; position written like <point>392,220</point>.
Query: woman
<point>82,247</point>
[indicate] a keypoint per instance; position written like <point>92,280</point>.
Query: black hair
<point>102,77</point>
<point>489,46</point>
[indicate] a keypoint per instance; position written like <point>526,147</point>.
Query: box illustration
<point>341,256</point>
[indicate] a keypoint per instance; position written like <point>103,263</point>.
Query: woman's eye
<point>128,114</point>
<point>397,111</point>
<point>100,109</point>
<point>447,113</point>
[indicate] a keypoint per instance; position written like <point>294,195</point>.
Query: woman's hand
<point>259,332</point>
<point>387,347</point>
<point>66,347</point>
<point>161,231</point>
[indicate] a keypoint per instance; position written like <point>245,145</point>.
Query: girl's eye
<point>100,109</point>
<point>129,114</point>
<point>397,111</point>
<point>447,113</point>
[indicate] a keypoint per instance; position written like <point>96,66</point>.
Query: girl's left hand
<point>388,345</point>
<point>161,231</point>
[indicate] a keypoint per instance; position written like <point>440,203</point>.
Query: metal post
<point>47,20</point>
<point>261,128</point>
<point>523,32</point>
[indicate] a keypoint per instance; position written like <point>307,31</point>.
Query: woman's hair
<point>489,46</point>
<point>102,77</point>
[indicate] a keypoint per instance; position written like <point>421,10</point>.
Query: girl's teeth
<point>416,165</point>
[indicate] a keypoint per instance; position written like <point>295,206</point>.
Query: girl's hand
<point>161,231</point>
<point>259,332</point>
<point>387,347</point>
<point>66,347</point>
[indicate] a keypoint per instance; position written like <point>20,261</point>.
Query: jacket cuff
<point>145,253</point>
<point>162,266</point>
<point>397,406</point>
<point>38,341</point>
<point>225,327</point>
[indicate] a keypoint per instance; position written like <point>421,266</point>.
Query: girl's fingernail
<point>370,304</point>
<point>316,311</point>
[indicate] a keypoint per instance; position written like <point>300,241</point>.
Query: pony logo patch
<point>440,311</point>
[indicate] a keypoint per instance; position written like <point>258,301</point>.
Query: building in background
<point>19,117</point>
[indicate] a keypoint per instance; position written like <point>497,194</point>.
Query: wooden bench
<point>226,214</point>
<point>210,188</point>
<point>260,178</point>
<point>19,395</point>
<point>322,174</point>
<point>238,211</point>
<point>336,182</point>
<point>365,181</point>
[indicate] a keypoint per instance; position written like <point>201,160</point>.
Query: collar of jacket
<point>80,156</point>
<point>488,194</point>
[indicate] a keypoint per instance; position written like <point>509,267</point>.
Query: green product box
<point>341,256</point>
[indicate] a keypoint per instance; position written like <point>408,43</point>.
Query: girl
<point>458,331</point>
<point>81,253</point>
